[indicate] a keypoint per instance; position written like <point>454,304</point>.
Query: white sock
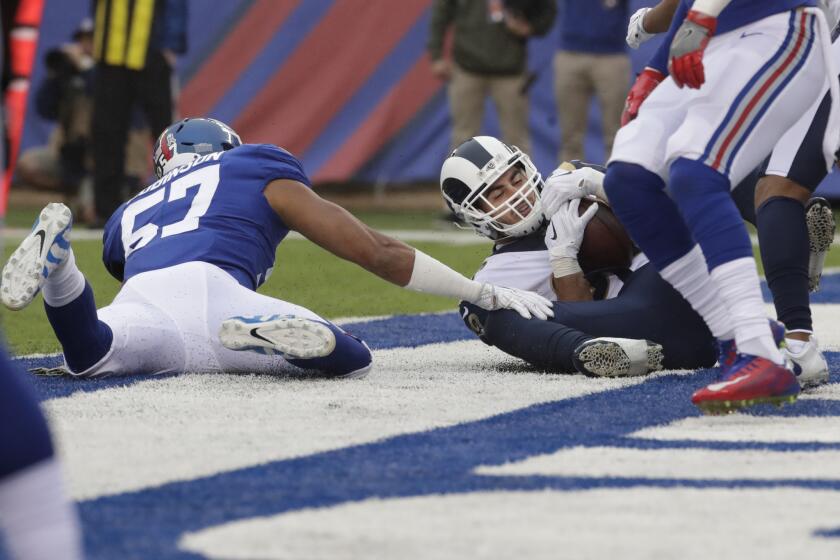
<point>689,275</point>
<point>65,283</point>
<point>796,346</point>
<point>739,287</point>
<point>37,520</point>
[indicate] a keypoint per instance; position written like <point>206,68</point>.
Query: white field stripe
<point>188,426</point>
<point>693,464</point>
<point>742,427</point>
<point>631,524</point>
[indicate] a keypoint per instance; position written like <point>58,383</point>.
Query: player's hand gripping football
<point>525,303</point>
<point>564,236</point>
<point>686,55</point>
<point>567,183</point>
<point>645,83</point>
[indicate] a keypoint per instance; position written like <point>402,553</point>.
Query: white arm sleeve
<point>431,276</point>
<point>710,7</point>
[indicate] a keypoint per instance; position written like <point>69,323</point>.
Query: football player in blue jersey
<point>731,77</point>
<point>795,229</point>
<point>192,248</point>
<point>36,518</point>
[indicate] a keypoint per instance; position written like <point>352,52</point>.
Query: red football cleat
<point>751,380</point>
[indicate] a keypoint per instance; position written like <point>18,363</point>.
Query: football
<point>606,244</point>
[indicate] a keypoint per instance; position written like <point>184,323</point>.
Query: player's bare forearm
<point>573,287</point>
<point>658,19</point>
<point>333,228</point>
<point>711,8</point>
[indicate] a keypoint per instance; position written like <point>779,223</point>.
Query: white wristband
<point>431,276</point>
<point>565,266</point>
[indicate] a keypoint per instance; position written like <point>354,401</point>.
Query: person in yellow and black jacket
<point>135,47</point>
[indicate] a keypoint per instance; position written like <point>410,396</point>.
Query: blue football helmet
<point>188,140</point>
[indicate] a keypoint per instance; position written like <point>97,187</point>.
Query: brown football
<point>606,244</point>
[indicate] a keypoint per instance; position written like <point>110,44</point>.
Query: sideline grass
<point>304,274</point>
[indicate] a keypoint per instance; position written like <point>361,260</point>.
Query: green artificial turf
<point>304,274</point>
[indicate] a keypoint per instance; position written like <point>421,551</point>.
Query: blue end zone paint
<point>436,462</point>
<point>409,331</point>
<point>439,461</point>
<point>828,533</point>
<point>400,331</point>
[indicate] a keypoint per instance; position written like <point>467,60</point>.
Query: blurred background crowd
<point>362,92</point>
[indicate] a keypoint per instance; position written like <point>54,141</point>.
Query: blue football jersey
<point>211,211</point>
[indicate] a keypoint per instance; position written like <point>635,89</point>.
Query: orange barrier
<point>23,45</point>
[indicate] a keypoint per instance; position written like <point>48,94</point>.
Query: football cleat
<point>809,364</point>
<point>728,350</point>
<point>40,252</point>
<point>751,380</point>
<point>617,357</point>
<point>291,336</point>
<point>821,228</point>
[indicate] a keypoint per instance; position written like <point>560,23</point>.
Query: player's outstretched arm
<point>339,232</point>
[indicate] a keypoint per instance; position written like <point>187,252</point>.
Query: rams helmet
<point>471,170</point>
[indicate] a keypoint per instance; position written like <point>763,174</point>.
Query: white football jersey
<point>524,264</point>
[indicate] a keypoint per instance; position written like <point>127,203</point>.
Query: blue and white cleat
<point>293,337</point>
<point>44,249</point>
<point>809,364</point>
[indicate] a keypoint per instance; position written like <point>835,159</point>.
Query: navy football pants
<point>647,307</point>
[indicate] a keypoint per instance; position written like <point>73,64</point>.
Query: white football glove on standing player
<point>564,236</point>
<point>566,184</point>
<point>636,34</point>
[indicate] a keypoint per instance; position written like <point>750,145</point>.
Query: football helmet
<point>469,172</point>
<point>188,140</point>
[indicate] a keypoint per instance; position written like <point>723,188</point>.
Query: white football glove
<point>564,185</point>
<point>636,34</point>
<point>523,302</point>
<point>564,236</point>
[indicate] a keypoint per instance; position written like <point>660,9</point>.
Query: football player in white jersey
<point>192,248</point>
<point>741,74</point>
<point>615,322</point>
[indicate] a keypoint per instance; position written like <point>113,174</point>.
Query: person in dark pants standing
<point>134,47</point>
